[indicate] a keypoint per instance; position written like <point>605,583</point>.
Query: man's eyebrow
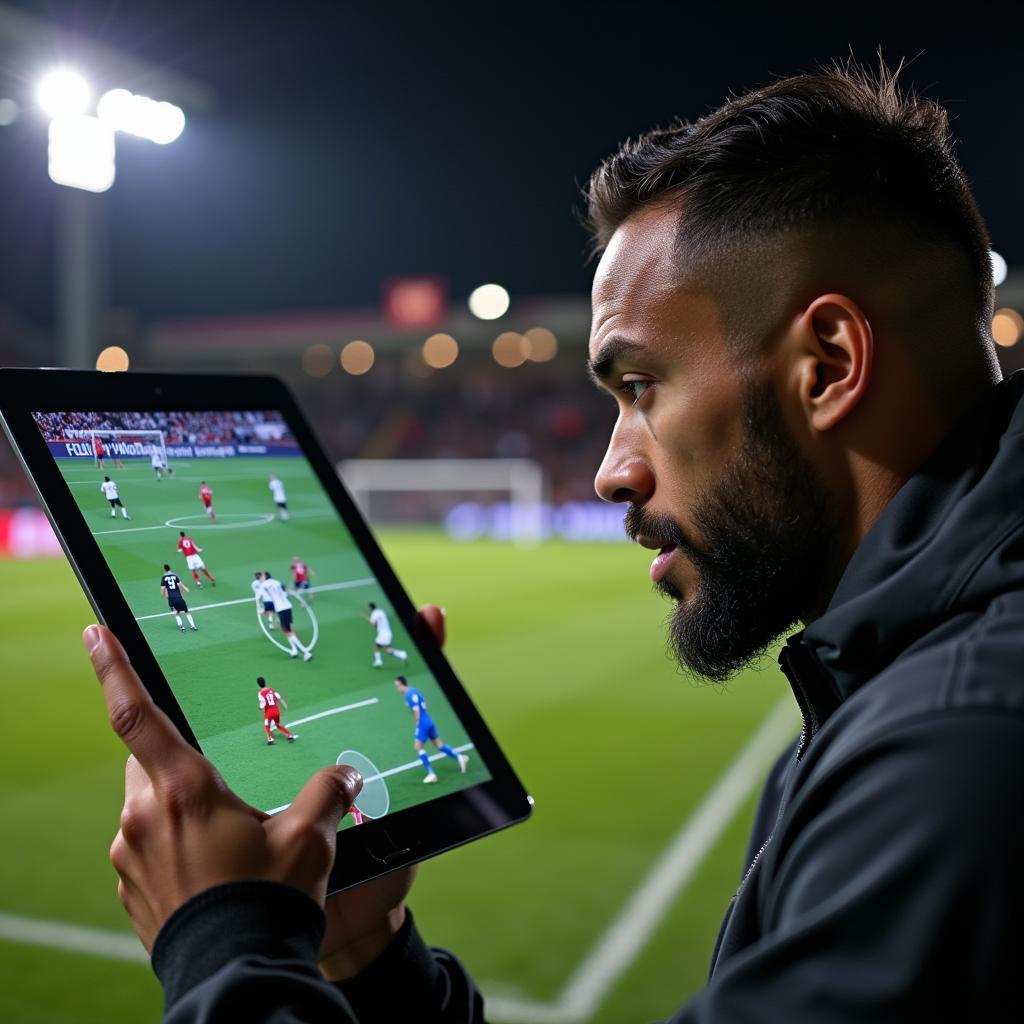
<point>600,367</point>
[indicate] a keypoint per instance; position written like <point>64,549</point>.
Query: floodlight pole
<point>81,276</point>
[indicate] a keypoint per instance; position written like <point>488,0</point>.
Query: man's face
<point>701,453</point>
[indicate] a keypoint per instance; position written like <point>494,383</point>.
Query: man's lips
<point>662,562</point>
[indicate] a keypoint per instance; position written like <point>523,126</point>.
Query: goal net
<point>129,444</point>
<point>422,490</point>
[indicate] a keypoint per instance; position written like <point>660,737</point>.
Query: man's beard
<point>766,539</point>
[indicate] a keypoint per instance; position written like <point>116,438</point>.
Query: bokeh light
<point>63,91</point>
<point>112,359</point>
<point>8,111</point>
<point>159,121</point>
<point>440,350</point>
<point>508,349</point>
<point>999,268</point>
<point>488,302</point>
<point>539,345</point>
<point>318,360</point>
<point>1007,326</point>
<point>357,358</point>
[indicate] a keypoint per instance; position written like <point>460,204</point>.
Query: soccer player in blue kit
<point>425,729</point>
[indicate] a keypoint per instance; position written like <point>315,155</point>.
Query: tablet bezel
<point>378,847</point>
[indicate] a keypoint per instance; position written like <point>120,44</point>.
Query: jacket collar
<point>944,544</point>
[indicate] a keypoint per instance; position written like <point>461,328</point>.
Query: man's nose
<point>624,475</point>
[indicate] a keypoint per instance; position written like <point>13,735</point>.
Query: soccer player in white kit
<point>109,489</point>
<point>273,591</point>
<point>263,603</point>
<point>280,498</point>
<point>379,620</point>
<point>159,463</point>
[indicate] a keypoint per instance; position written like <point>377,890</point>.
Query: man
<point>171,588</point>
<point>378,618</point>
<point>271,703</point>
<point>280,498</point>
<point>109,489</point>
<point>206,497</point>
<point>424,729</point>
<point>792,313</point>
<point>300,576</point>
<point>263,603</point>
<point>191,550</point>
<point>275,593</point>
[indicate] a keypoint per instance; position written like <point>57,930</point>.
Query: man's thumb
<point>327,797</point>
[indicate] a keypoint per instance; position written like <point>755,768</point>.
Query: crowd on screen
<point>177,427</point>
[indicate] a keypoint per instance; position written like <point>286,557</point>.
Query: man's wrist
<point>355,956</point>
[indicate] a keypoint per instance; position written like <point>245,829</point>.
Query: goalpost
<point>522,479</point>
<point>145,441</point>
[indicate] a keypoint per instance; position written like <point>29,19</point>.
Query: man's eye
<point>635,389</point>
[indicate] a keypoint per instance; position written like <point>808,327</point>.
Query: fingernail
<point>355,780</point>
<point>92,638</point>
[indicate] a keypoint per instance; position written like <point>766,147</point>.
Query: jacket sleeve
<point>248,951</point>
<point>892,889</point>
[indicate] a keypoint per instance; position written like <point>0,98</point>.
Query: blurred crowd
<point>177,427</point>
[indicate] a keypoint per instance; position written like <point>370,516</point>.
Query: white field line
<point>344,585</point>
<point>614,952</point>
<point>72,938</point>
<point>622,942</point>
<point>392,771</point>
<point>333,711</point>
<point>267,519</point>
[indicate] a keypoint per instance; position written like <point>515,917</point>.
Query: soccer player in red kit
<point>188,547</point>
<point>206,497</point>
<point>97,447</point>
<point>300,574</point>
<point>271,703</point>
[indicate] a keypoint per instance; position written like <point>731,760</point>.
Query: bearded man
<point>792,311</point>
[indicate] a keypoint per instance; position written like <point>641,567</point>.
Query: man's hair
<point>182,532</point>
<point>261,682</point>
<point>106,478</point>
<point>402,680</point>
<point>841,148</point>
<point>373,606</point>
<point>167,568</point>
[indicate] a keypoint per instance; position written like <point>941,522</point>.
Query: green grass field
<point>562,648</point>
<point>213,671</point>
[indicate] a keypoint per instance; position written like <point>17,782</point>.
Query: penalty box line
<point>391,771</point>
<point>344,585</point>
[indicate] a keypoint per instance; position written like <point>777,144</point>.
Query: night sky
<point>350,143</point>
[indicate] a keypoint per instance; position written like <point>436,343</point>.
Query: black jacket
<point>886,863</point>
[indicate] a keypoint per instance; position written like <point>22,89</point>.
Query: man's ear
<point>835,354</point>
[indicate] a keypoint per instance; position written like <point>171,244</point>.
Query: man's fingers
<point>145,730</point>
<point>325,799</point>
<point>434,619</point>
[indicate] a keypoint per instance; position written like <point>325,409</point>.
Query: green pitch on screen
<point>338,701</point>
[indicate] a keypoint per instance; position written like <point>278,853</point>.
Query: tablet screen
<point>273,633</point>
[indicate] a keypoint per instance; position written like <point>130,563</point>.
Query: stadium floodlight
<point>157,120</point>
<point>63,91</point>
<point>81,153</point>
<point>488,302</point>
<point>999,268</point>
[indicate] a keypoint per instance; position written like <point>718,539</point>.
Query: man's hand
<point>361,922</point>
<point>182,830</point>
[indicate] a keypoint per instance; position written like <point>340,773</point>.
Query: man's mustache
<point>654,526</point>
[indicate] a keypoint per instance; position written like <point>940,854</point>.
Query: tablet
<point>211,534</point>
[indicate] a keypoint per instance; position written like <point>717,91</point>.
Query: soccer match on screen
<point>266,620</point>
